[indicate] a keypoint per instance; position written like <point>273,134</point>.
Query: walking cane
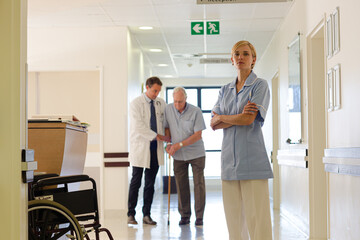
<point>169,189</point>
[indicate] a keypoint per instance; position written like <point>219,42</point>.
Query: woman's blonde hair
<point>244,43</point>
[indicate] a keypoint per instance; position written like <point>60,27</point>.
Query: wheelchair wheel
<point>51,220</point>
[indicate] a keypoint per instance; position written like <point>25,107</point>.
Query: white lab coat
<point>141,134</point>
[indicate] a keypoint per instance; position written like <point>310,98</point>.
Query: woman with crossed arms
<point>245,169</point>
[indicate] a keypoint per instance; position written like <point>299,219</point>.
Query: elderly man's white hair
<point>180,89</point>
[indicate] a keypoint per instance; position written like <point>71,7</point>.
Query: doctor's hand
<point>163,138</point>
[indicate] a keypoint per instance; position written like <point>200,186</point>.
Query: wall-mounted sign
<point>197,28</point>
<point>214,60</point>
<point>212,28</point>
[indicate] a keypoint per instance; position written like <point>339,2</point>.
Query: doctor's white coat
<point>141,134</point>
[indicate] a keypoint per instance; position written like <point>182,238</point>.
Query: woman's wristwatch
<point>181,144</point>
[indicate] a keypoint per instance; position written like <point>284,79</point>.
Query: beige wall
<point>68,93</point>
<point>117,179</point>
<point>76,49</point>
<point>138,73</point>
<point>344,199</point>
<point>342,127</point>
<point>294,197</point>
<point>345,136</point>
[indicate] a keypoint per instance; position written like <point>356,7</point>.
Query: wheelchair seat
<point>81,204</point>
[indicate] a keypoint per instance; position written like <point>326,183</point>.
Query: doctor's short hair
<point>180,89</point>
<point>153,80</point>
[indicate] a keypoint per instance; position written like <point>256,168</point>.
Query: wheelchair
<point>57,212</point>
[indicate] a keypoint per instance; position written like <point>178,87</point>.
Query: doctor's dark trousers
<point>150,176</point>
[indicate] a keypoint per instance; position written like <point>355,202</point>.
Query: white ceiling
<point>171,19</point>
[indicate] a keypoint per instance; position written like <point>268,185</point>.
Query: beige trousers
<point>247,209</point>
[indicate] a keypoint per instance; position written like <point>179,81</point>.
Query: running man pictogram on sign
<point>212,28</point>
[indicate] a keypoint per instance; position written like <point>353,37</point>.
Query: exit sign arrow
<point>197,28</point>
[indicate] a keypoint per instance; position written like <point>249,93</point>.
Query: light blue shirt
<point>147,98</point>
<point>243,153</point>
<point>183,125</point>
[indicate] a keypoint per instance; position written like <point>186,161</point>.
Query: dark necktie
<point>153,144</point>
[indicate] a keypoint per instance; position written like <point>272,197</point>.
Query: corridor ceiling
<point>182,53</point>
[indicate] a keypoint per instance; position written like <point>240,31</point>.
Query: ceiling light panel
<point>155,50</point>
<point>146,28</point>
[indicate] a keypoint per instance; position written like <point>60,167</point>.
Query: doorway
<point>317,132</point>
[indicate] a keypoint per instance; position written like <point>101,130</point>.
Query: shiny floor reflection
<point>214,223</point>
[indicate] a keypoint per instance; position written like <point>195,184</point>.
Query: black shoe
<point>132,220</point>
<point>184,221</point>
<point>199,222</point>
<point>148,220</point>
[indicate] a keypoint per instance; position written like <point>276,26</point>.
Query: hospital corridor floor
<point>214,222</point>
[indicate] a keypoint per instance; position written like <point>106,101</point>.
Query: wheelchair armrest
<point>62,180</point>
<point>42,176</point>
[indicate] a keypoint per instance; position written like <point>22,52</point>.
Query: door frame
<point>275,139</point>
<point>13,48</point>
<point>316,70</point>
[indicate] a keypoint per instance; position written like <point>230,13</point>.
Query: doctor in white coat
<point>146,146</point>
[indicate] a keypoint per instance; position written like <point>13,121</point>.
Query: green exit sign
<point>212,28</point>
<point>197,28</point>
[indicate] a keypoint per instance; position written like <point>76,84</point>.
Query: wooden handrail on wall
<point>117,163</point>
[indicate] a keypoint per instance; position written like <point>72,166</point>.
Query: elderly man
<point>146,146</point>
<point>184,123</point>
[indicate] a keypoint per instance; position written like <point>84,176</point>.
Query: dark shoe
<point>131,220</point>
<point>184,221</point>
<point>199,222</point>
<point>148,220</point>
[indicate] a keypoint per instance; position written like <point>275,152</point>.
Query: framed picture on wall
<point>330,90</point>
<point>337,88</point>
<point>336,31</point>
<point>329,37</point>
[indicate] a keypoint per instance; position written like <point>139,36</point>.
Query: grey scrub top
<point>243,153</point>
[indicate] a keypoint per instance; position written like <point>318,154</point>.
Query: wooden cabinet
<point>59,147</point>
